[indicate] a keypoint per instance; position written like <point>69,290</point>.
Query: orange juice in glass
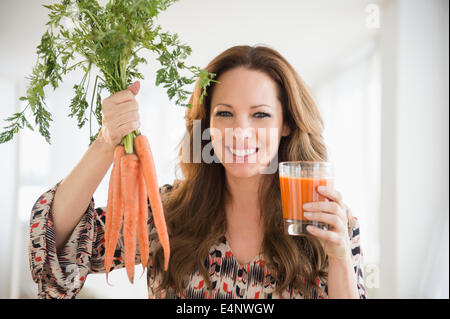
<point>298,184</point>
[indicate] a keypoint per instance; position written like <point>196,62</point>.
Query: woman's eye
<point>262,115</point>
<point>222,113</point>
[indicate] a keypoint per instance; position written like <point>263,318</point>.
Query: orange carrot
<point>109,210</point>
<point>113,226</point>
<point>144,244</point>
<point>144,152</point>
<point>129,170</point>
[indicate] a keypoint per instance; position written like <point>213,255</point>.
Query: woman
<point>224,217</point>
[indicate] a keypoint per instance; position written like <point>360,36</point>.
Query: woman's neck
<point>245,227</point>
<point>244,202</point>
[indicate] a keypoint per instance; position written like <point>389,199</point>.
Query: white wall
<point>8,187</point>
<point>414,204</point>
<point>349,100</point>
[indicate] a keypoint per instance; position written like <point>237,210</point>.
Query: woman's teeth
<point>242,152</point>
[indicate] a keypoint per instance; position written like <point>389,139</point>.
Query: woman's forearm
<point>74,193</point>
<point>342,282</point>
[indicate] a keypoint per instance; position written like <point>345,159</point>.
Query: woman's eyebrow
<point>252,107</point>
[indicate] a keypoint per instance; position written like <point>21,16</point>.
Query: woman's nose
<point>243,131</point>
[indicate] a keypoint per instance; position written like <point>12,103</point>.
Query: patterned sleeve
<point>357,256</point>
<point>63,275</point>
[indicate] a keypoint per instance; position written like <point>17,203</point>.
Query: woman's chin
<point>242,170</point>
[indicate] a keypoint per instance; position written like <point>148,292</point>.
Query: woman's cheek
<point>217,143</point>
<point>269,141</point>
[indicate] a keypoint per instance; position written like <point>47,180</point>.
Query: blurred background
<point>378,71</point>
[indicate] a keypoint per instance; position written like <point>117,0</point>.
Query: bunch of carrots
<point>133,180</point>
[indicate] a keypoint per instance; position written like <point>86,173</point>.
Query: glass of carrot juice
<point>299,181</point>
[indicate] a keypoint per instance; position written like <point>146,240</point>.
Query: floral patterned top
<point>63,275</point>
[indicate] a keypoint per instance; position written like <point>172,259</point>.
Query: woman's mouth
<point>242,154</point>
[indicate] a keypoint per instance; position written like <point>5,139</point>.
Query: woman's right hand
<point>120,115</point>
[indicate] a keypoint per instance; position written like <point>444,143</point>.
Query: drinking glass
<point>299,181</point>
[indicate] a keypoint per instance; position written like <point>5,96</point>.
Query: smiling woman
<point>234,209</point>
<point>224,218</point>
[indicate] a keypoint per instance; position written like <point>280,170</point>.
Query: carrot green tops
<point>84,253</point>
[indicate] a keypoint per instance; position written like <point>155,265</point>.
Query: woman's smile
<point>242,154</point>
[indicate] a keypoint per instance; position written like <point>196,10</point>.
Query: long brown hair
<point>195,207</point>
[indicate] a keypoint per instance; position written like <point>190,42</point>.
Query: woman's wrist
<point>341,278</point>
<point>340,261</point>
<point>101,145</point>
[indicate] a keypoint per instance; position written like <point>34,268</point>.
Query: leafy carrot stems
<point>107,44</point>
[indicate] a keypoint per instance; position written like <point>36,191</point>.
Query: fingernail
<point>306,206</point>
<point>322,188</point>
<point>307,214</point>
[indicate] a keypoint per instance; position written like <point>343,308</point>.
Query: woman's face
<point>246,122</point>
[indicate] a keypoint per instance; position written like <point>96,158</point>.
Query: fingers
<point>327,207</point>
<point>127,118</point>
<point>127,122</point>
<point>333,213</point>
<point>113,109</point>
<point>128,127</point>
<point>331,194</point>
<point>325,235</point>
<point>124,95</point>
<point>134,88</point>
<point>334,221</point>
<point>120,97</point>
<point>120,114</point>
<point>126,107</point>
<point>118,132</point>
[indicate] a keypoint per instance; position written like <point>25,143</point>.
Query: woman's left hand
<point>334,212</point>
